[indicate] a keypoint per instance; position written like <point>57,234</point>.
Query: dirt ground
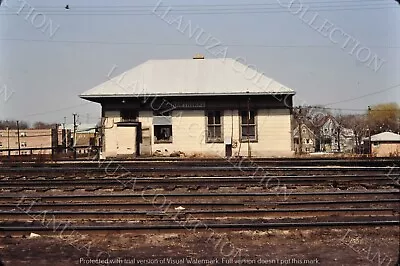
<point>340,246</point>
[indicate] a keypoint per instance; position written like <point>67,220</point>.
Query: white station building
<point>196,107</point>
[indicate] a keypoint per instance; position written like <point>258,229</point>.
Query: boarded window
<point>248,125</point>
<point>129,115</point>
<point>214,126</point>
<point>162,113</point>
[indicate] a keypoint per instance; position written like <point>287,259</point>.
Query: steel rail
<point>185,212</point>
<point>197,226</point>
<point>232,160</point>
<point>197,204</point>
<point>193,181</point>
<point>233,194</point>
<point>190,178</point>
<point>133,168</point>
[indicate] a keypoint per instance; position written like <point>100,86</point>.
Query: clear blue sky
<point>46,75</point>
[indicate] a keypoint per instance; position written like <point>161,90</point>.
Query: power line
<point>343,109</point>
<point>363,96</point>
<point>223,8</point>
<point>195,12</point>
<point>181,44</point>
<point>216,5</point>
<point>57,110</point>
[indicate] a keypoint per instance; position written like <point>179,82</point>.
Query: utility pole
<point>74,143</point>
<point>300,122</point>
<point>338,138</point>
<point>19,143</point>
<point>369,132</point>
<point>64,135</point>
<point>248,128</point>
<point>8,141</point>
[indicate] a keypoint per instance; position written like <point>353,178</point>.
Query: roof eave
<point>91,96</point>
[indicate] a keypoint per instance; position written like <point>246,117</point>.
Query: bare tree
<point>384,117</point>
<point>12,124</point>
<point>42,125</point>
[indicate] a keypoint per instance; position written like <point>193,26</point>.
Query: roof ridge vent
<point>198,56</point>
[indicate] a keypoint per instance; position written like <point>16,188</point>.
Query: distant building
<point>385,144</point>
<point>29,141</point>
<point>196,107</point>
<point>86,136</point>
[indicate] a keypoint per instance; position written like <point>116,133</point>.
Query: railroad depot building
<point>196,107</point>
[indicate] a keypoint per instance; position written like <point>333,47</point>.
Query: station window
<point>163,133</point>
<point>162,113</point>
<point>214,126</point>
<point>248,126</point>
<point>129,115</point>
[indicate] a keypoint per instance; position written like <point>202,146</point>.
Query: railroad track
<point>244,161</point>
<point>194,206</point>
<point>67,229</point>
<point>178,169</point>
<point>246,214</point>
<point>256,177</point>
<point>280,204</point>
<point>204,197</point>
<point>197,182</point>
<point>93,213</point>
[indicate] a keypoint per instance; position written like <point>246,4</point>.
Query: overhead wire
<point>57,110</point>
<point>363,96</point>
<point>342,109</point>
<point>211,11</point>
<point>181,44</point>
<point>230,4</point>
<point>240,10</point>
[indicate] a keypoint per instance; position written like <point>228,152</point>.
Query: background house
<point>199,107</point>
<point>335,138</point>
<point>304,140</point>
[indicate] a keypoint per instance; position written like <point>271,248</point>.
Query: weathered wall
<point>386,149</point>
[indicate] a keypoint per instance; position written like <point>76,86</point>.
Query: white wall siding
<point>189,133</point>
<point>110,133</point>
